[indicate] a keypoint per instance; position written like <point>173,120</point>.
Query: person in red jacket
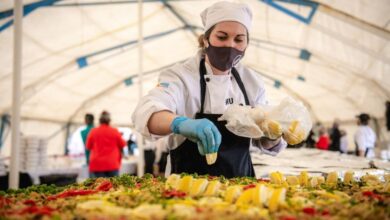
<point>105,144</point>
<point>323,141</point>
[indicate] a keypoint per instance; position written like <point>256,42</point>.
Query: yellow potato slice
<point>211,158</point>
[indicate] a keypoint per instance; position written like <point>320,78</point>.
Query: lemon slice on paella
<point>348,177</point>
<point>276,178</point>
<point>172,181</point>
<point>185,184</point>
<point>212,188</point>
<point>277,197</point>
<point>260,194</point>
<point>331,179</point>
<point>232,193</point>
<point>320,180</point>
<point>292,180</point>
<point>304,178</point>
<point>314,182</point>
<point>246,197</point>
<point>198,186</point>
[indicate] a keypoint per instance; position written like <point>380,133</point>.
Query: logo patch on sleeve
<point>163,85</point>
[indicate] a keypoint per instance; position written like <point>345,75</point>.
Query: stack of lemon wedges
<point>257,194</point>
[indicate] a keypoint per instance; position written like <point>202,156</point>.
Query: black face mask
<point>223,58</point>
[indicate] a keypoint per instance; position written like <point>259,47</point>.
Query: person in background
<point>105,144</point>
<point>323,140</point>
<point>310,141</point>
<point>162,151</point>
<point>131,145</point>
<point>313,136</point>
<point>343,142</point>
<point>89,122</point>
<point>365,137</point>
<point>388,116</point>
<point>335,136</point>
<point>149,155</point>
<point>192,95</point>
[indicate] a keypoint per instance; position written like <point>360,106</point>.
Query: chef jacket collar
<point>209,70</point>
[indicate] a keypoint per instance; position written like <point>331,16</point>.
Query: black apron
<point>233,155</point>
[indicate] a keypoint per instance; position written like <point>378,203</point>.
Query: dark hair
<point>89,118</point>
<point>105,118</point>
<point>206,36</point>
<point>363,118</point>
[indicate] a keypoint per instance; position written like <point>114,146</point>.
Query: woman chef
<point>192,95</point>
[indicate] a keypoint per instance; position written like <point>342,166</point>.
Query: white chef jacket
<point>365,138</point>
<point>178,91</point>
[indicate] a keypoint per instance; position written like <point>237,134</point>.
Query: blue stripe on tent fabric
<point>313,11</point>
<point>128,81</point>
<point>110,3</point>
<point>304,55</point>
<point>299,2</point>
<point>301,78</point>
<point>83,60</point>
<point>6,25</point>
<point>6,14</point>
<point>27,9</point>
<point>312,5</point>
<point>277,84</point>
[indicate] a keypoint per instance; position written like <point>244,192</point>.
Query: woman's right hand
<point>201,131</point>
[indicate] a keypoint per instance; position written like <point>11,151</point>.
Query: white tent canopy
<point>81,56</point>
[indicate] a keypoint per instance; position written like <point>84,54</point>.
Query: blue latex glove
<point>201,131</point>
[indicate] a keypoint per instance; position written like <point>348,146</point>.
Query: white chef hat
<point>227,11</point>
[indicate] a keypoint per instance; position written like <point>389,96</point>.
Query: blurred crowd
<point>365,138</point>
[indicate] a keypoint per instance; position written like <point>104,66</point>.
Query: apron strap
<point>202,71</point>
<point>240,84</point>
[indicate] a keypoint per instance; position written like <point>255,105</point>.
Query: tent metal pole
<point>140,143</point>
<point>15,142</point>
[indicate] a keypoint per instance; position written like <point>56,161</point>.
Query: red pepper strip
<point>30,202</point>
<point>199,209</point>
<point>211,177</point>
<point>72,192</point>
<point>44,210</point>
<point>368,193</point>
<point>288,218</point>
<point>325,212</point>
<point>263,180</point>
<point>173,193</point>
<point>104,186</point>
<point>372,195</point>
<point>309,210</point>
<point>249,186</point>
<point>4,201</point>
